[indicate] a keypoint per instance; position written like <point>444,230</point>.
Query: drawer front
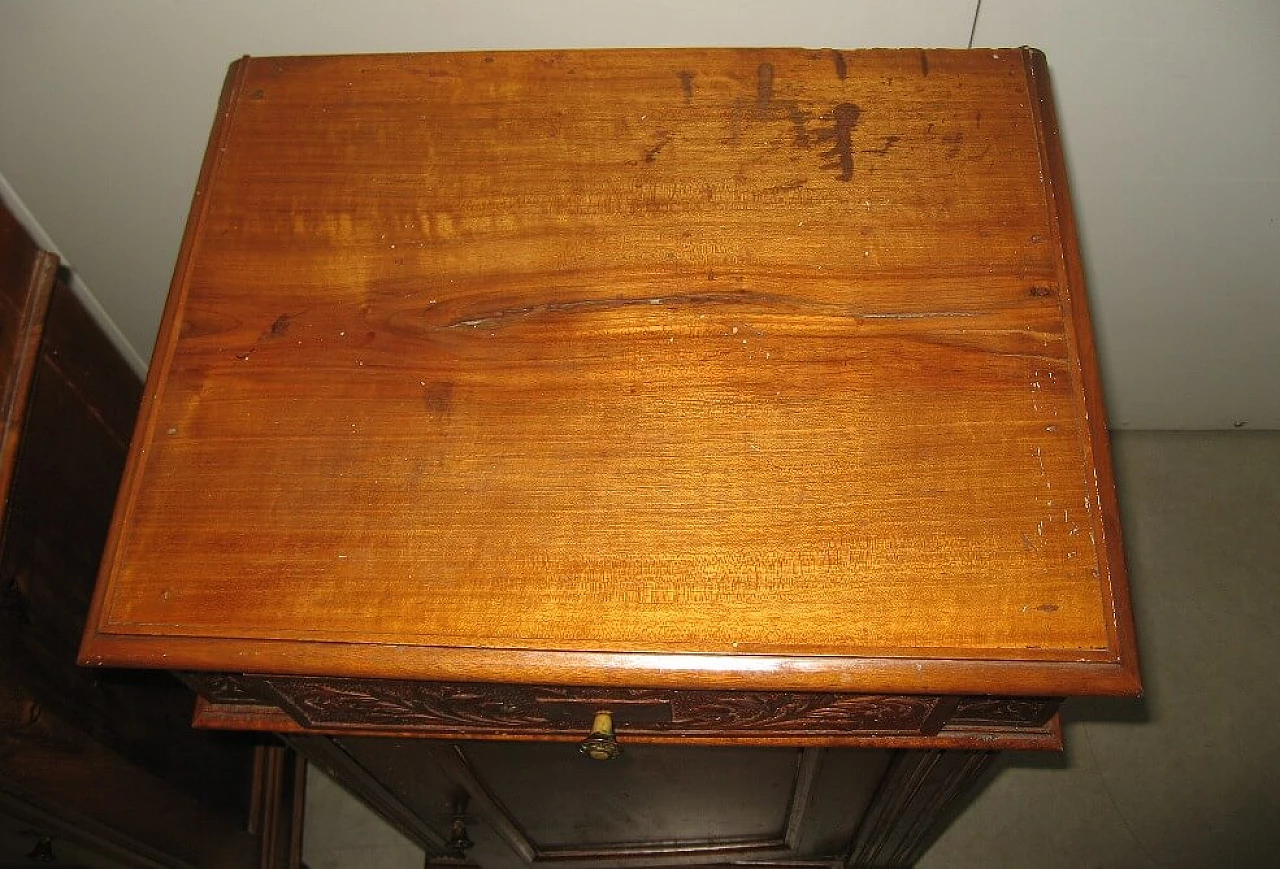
<point>517,710</point>
<point>488,711</point>
<point>998,711</point>
<point>451,708</point>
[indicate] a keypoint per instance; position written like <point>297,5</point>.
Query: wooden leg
<point>279,799</point>
<point>918,792</point>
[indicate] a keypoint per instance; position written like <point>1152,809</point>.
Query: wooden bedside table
<point>728,404</point>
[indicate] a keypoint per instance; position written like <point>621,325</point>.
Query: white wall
<point>1172,123</point>
<point>1169,116</point>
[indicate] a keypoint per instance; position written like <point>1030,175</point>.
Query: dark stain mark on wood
<point>953,142</point>
<point>686,85</point>
<point>280,326</point>
<point>278,329</point>
<point>799,119</point>
<point>924,63</point>
<point>789,186</point>
<point>844,118</point>
<point>1041,291</point>
<point>769,107</point>
<point>1048,608</point>
<point>978,119</point>
<point>889,142</point>
<point>438,398</point>
<point>257,95</point>
<point>652,153</point>
<point>764,88</point>
<point>842,69</point>
<point>735,121</point>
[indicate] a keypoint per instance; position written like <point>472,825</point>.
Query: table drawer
<point>486,711</point>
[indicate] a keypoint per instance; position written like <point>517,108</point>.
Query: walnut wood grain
<point>688,369</point>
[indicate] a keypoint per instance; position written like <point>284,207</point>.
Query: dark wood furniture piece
<point>737,406</point>
<point>101,763</point>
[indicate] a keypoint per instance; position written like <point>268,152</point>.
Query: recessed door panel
<point>544,803</point>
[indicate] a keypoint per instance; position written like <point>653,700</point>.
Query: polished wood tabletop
<point>718,368</point>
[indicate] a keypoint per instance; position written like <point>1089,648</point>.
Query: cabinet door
<point>544,803</point>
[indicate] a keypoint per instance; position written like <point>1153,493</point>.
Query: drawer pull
<point>601,744</point>
<point>459,840</point>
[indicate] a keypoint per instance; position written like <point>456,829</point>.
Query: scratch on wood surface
<point>918,315</point>
<point>805,306</point>
<point>789,186</point>
<point>889,142</point>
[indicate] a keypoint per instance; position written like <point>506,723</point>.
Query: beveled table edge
<point>896,675</point>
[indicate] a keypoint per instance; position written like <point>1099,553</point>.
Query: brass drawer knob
<point>601,744</point>
<point>459,840</point>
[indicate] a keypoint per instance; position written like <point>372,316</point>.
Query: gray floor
<point>1186,777</point>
